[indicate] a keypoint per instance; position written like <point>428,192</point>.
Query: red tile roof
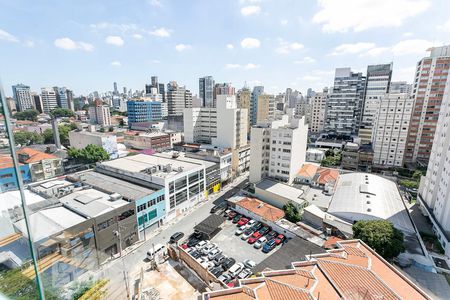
<point>262,209</point>
<point>327,175</point>
<point>35,155</point>
<point>308,170</point>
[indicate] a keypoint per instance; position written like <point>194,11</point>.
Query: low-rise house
<point>315,155</point>
<point>8,177</point>
<point>319,177</point>
<point>80,139</point>
<point>42,165</point>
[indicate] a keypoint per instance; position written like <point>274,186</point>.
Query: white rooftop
<point>281,189</point>
<point>182,157</point>
<point>12,198</point>
<point>363,196</point>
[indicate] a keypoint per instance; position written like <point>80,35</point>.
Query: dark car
<point>231,215</point>
<point>279,239</point>
<point>219,259</point>
<point>236,219</point>
<point>195,254</point>
<point>217,271</point>
<point>268,246</point>
<point>176,237</point>
<point>271,235</point>
<point>257,226</point>
<point>193,242</point>
<point>264,230</point>
<point>228,263</point>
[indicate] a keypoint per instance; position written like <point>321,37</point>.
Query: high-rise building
<point>287,97</point>
<point>344,105</point>
<point>206,91</point>
<point>223,89</point>
<point>303,108</point>
<point>428,90</point>
<point>143,111</point>
<point>257,90</point>
<point>38,102</point>
<point>318,105</point>
<point>278,149</point>
<point>434,190</point>
<point>265,108</point>
<point>22,96</point>
<point>100,114</point>
<point>243,99</point>
<point>115,92</point>
<point>178,98</point>
<point>222,126</point>
<point>11,103</point>
<point>378,80</point>
<point>49,101</point>
<point>390,129</point>
<point>400,87</point>
<point>69,96</point>
<point>61,97</point>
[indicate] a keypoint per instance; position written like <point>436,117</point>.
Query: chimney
<point>56,133</point>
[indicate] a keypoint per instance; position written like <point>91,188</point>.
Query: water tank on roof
<point>115,197</point>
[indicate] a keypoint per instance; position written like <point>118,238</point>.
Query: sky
<point>86,45</point>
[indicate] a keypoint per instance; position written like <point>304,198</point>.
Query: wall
<point>8,179</point>
<point>160,209</point>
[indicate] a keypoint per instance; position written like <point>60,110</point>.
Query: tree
<point>121,123</point>
<point>417,174</point>
<point>380,235</point>
<point>29,114</point>
<point>62,112</point>
<point>102,129</point>
<point>90,154</point>
<point>111,129</point>
<point>25,138</point>
<point>291,212</point>
<point>48,136</point>
<point>15,285</point>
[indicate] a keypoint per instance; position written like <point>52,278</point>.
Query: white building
<point>223,126</point>
<point>315,155</point>
<point>100,115</point>
<point>434,190</point>
<point>390,130</point>
<point>318,105</point>
<point>278,149</point>
<point>80,139</point>
<point>22,97</point>
<point>49,101</point>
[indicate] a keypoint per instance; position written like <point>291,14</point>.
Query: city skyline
<point>258,42</point>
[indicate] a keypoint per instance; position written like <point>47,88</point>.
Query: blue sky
<point>86,45</point>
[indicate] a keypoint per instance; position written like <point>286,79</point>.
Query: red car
<point>279,239</point>
<point>184,246</point>
<point>254,237</point>
<point>231,215</point>
<point>242,221</point>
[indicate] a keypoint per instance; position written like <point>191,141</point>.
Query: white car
<point>245,273</point>
<point>236,269</point>
<point>248,263</point>
<point>240,230</point>
<point>201,245</point>
<point>207,264</point>
<point>214,252</point>
<point>251,223</point>
<point>247,233</point>
<point>260,242</point>
<point>208,248</point>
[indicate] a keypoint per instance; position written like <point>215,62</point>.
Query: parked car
<point>247,233</point>
<point>208,248</point>
<point>255,236</point>
<point>251,222</point>
<point>260,242</point>
<point>242,221</point>
<point>193,242</point>
<point>271,235</point>
<point>196,254</point>
<point>207,264</point>
<point>214,253</point>
<point>240,230</point>
<point>201,245</point>
<point>217,271</point>
<point>219,259</point>
<point>158,248</point>
<point>279,239</point>
<point>231,215</point>
<point>257,226</point>
<point>225,278</point>
<point>228,262</point>
<point>176,237</point>
<point>264,230</point>
<point>245,273</point>
<point>184,246</point>
<point>236,269</point>
<point>236,218</point>
<point>248,263</point>
<point>268,246</point>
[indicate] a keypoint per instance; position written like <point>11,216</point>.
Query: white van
<point>158,248</point>
<point>236,269</point>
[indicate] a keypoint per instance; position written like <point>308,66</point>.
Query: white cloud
<point>116,63</point>
<point>114,40</point>
<point>283,22</point>
<point>155,3</point>
<point>251,66</point>
<point>376,51</point>
<point>130,27</point>
<point>352,48</point>
<point>415,46</point>
<point>230,46</point>
<point>155,61</point>
<point>69,44</point>
<point>182,47</point>
<point>286,47</point>
<point>6,36</point>
<point>444,27</point>
<point>232,66</point>
<point>161,32</point>
<point>305,60</point>
<point>360,15</point>
<point>250,43</point>
<point>408,34</point>
<point>137,36</point>
<point>29,44</point>
<point>250,10</point>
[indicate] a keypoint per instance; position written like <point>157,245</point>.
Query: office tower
<point>100,114</point>
<point>310,93</point>
<point>265,108</point>
<point>178,98</point>
<point>11,103</point>
<point>390,129</point>
<point>38,102</point>
<point>243,99</point>
<point>206,91</point>
<point>278,149</point>
<point>115,92</point>
<point>318,105</point>
<point>434,190</point>
<point>22,96</point>
<point>222,126</point>
<point>154,80</point>
<point>257,90</point>
<point>143,111</point>
<point>344,105</point>
<point>428,90</point>
<point>287,97</point>
<point>223,89</point>
<point>303,108</point>
<point>49,101</point>
<point>162,91</point>
<point>378,80</point>
<point>61,97</point>
<point>400,87</point>
<point>148,89</point>
<point>69,96</point>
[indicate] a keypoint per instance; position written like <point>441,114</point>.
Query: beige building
<point>318,105</point>
<point>266,108</point>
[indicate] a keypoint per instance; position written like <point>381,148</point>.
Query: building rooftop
<point>260,208</point>
<point>327,176</point>
<point>110,185</point>
<point>353,271</point>
<point>91,203</point>
<point>362,196</point>
<point>34,155</point>
<point>279,188</point>
<point>6,162</point>
<point>182,157</point>
<point>308,170</point>
<point>95,133</point>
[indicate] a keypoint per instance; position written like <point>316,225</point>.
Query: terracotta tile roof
<point>35,155</point>
<point>331,242</point>
<point>262,209</point>
<point>327,175</point>
<point>308,170</point>
<point>6,162</point>
<point>280,291</point>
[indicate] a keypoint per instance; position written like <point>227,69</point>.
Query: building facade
<point>80,139</point>
<point>100,115</point>
<point>206,91</point>
<point>428,90</point>
<point>257,91</point>
<point>318,106</point>
<point>265,108</point>
<point>49,100</point>
<point>143,111</point>
<point>178,98</point>
<point>22,97</point>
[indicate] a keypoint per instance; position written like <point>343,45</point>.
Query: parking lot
<point>233,246</point>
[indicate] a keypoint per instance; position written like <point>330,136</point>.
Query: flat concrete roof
<point>11,199</point>
<point>182,157</point>
<point>281,189</point>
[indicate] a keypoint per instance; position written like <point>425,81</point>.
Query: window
<point>126,214</point>
<point>105,224</point>
<point>153,214</point>
<point>172,201</point>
